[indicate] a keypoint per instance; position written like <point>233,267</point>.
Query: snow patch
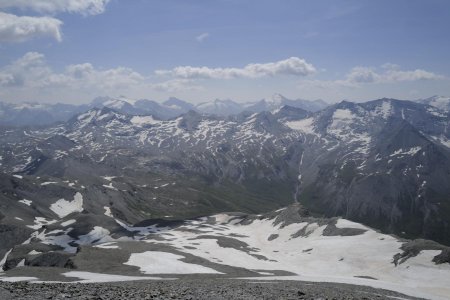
<point>89,277</point>
<point>63,207</point>
<point>144,120</point>
<point>155,262</point>
<point>305,125</point>
<point>108,211</point>
<point>68,222</point>
<point>384,110</point>
<point>26,202</point>
<point>412,151</point>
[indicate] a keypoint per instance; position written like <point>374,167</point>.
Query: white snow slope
<point>315,257</point>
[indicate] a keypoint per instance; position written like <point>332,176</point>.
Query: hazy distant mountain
<point>123,104</point>
<point>179,104</point>
<point>220,107</point>
<point>441,102</point>
<point>229,107</point>
<point>31,113</point>
<point>25,114</point>
<point>279,100</point>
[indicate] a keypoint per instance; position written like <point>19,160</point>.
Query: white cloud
<point>176,85</point>
<point>31,77</point>
<point>18,29</point>
<point>291,66</point>
<point>418,74</point>
<point>85,7</point>
<point>32,72</point>
<point>200,38</point>
<point>359,77</point>
<point>391,74</point>
<point>362,75</point>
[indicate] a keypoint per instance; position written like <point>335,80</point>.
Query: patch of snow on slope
<point>3,260</point>
<point>144,120</point>
<point>343,223</point>
<point>412,151</point>
<point>305,125</point>
<point>108,212</point>
<point>440,102</point>
<point>89,277</point>
<point>63,207</point>
<point>110,186</point>
<point>17,279</point>
<point>98,235</point>
<point>108,245</point>
<point>155,262</point>
<point>68,222</point>
<point>48,182</point>
<point>26,202</point>
<point>87,117</point>
<point>39,222</point>
<point>443,140</point>
<point>384,110</point>
<point>344,126</point>
<point>311,254</point>
<point>341,121</point>
<point>436,112</point>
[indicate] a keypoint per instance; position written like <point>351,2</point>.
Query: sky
<point>72,51</point>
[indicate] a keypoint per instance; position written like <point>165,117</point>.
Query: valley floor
<point>199,288</point>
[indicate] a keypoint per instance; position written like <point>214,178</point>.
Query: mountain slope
<point>440,102</point>
<point>384,163</point>
<point>283,244</point>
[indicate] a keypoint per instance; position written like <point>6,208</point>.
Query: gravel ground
<point>193,289</point>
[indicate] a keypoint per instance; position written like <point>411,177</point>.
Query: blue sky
<point>72,51</point>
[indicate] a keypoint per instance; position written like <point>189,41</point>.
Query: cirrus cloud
<point>291,66</point>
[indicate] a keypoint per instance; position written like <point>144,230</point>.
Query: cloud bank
<point>31,72</point>
<point>391,75</point>
<point>31,76</point>
<point>292,66</point>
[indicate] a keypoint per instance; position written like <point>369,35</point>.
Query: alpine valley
<point>278,189</point>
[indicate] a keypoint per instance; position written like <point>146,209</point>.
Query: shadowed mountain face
<point>385,163</point>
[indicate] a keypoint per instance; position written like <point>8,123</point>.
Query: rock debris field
<point>193,289</point>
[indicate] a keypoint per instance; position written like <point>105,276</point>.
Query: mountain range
<point>110,173</point>
<point>32,114</point>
